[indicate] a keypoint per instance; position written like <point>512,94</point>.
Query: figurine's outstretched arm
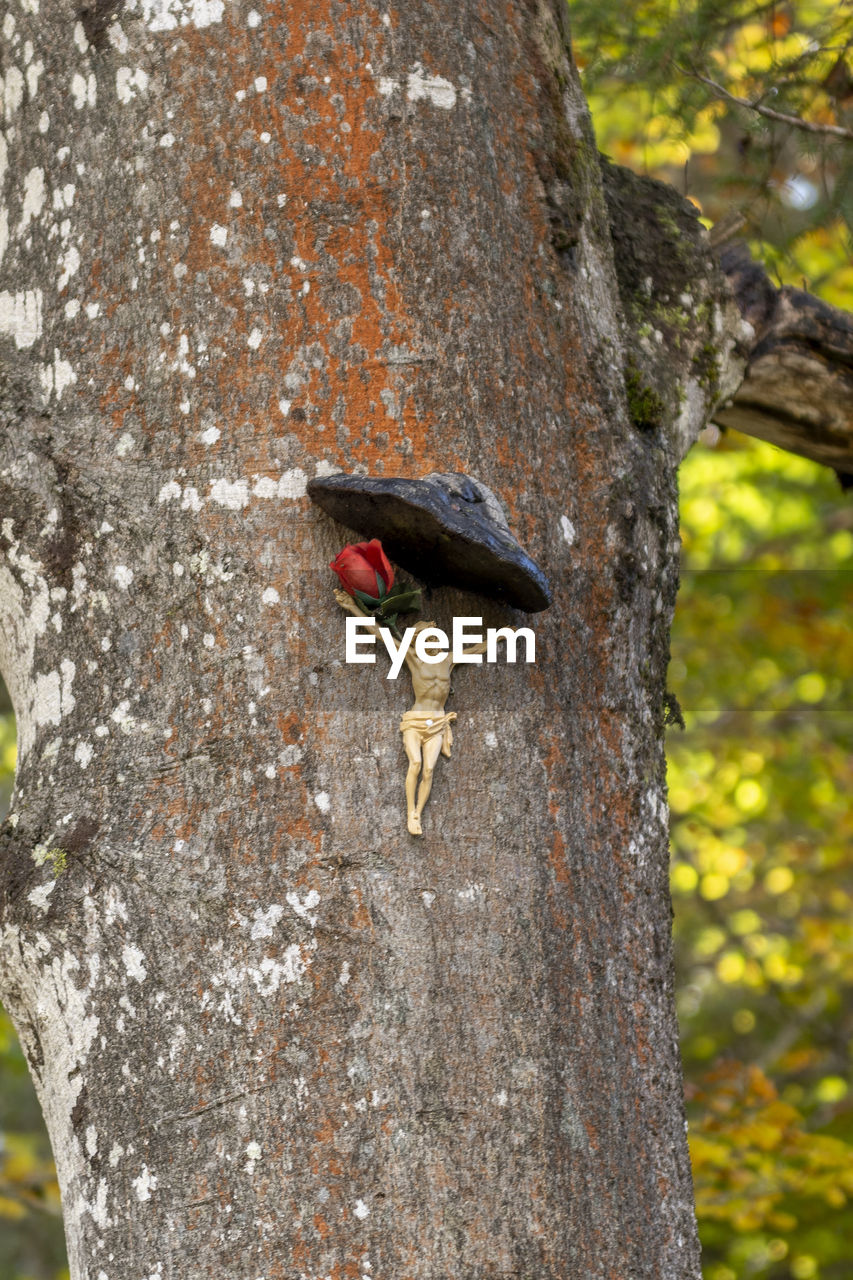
<point>474,648</point>
<point>352,606</point>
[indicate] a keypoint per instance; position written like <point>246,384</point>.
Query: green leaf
<point>404,602</point>
<point>369,602</point>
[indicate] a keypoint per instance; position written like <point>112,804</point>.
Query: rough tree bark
<point>796,384</point>
<point>797,390</point>
<point>274,1035</point>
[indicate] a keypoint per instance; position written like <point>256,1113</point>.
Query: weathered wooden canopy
<point>449,529</point>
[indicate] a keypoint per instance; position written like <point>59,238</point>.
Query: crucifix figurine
<point>426,727</point>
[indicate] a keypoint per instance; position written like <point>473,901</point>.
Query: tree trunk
<point>273,1034</point>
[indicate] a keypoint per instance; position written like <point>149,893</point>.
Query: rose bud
<point>363,566</point>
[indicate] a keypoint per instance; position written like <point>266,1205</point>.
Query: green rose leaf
<point>405,602</point>
<point>370,602</point>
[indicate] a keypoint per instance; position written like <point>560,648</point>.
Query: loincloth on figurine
<point>428,727</point>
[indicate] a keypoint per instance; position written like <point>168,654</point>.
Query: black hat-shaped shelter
<point>448,529</point>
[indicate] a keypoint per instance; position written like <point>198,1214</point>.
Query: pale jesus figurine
<point>426,728</point>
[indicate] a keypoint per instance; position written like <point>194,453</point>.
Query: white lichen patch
<point>568,530</point>
<point>34,71</point>
<point>61,991</point>
<point>233,494</point>
<point>144,1184</point>
<point>291,484</point>
<point>47,700</point>
<point>38,897</point>
<point>130,82</point>
<point>70,264</point>
<point>422,87</point>
<point>133,960</point>
<point>233,981</point>
<point>117,37</point>
<point>32,201</point>
<point>326,468</point>
<point>271,973</point>
<point>218,235</point>
<point>56,377</point>
<point>166,15</point>
<point>303,908</point>
<point>83,754</point>
<point>21,316</point>
<point>13,92</point>
<point>114,907</point>
<point>270,596</point>
<point>97,1206</point>
<point>265,921</point>
<point>322,801</point>
<point>84,90</point>
<point>122,717</point>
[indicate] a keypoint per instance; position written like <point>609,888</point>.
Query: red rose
<point>363,566</point>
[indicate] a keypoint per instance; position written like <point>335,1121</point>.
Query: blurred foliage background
<point>760,785</point>
<point>762,774</point>
<point>745,107</point>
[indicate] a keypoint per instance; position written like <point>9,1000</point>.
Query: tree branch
<point>782,117</point>
<point>777,363</point>
<point>797,390</point>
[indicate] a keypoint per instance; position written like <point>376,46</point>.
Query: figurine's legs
<point>412,743</point>
<point>431,752</point>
